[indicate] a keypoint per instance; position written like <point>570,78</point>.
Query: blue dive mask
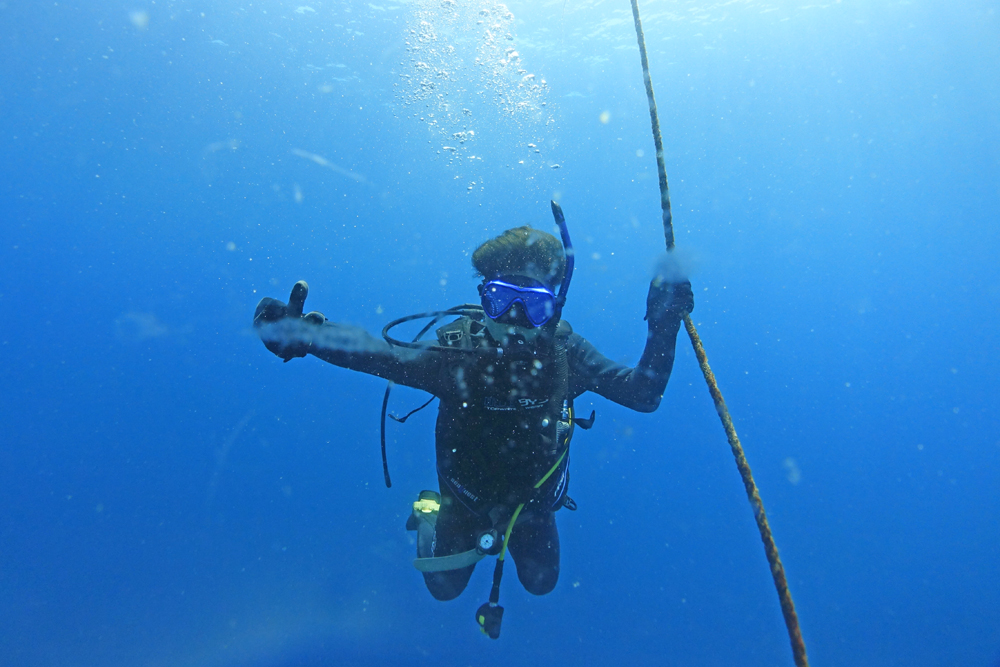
<point>498,296</point>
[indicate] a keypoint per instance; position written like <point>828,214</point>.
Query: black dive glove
<point>272,311</point>
<point>668,302</point>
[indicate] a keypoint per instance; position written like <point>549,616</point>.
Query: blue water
<point>173,494</point>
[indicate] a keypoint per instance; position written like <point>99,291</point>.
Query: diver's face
<point>516,317</point>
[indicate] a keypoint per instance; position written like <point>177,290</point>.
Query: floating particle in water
<point>793,473</point>
<point>140,19</point>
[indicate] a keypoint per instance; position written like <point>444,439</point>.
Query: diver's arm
<point>639,388</point>
<point>354,348</point>
<point>289,334</point>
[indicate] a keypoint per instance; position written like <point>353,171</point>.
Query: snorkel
<point>568,251</point>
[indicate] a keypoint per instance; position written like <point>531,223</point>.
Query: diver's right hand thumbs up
<point>272,311</point>
<point>297,299</point>
<point>297,302</point>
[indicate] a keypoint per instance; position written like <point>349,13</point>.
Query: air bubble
<point>462,58</point>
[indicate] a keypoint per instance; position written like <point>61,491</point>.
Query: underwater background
<point>174,495</point>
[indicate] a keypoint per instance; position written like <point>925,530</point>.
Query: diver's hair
<point>522,250</point>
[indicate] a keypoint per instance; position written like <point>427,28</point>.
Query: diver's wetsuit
<point>496,433</point>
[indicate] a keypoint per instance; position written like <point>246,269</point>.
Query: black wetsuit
<point>496,433</point>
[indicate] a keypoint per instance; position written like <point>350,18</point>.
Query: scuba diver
<point>506,375</point>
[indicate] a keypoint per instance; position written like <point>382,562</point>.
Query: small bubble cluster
<point>463,77</point>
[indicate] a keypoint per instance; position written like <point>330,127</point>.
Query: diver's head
<point>520,269</point>
<point>522,251</point>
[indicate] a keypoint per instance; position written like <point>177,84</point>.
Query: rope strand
<point>770,548</point>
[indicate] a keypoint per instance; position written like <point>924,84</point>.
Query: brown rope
<point>661,167</point>
<point>770,549</point>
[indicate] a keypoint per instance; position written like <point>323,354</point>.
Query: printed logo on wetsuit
<point>525,403</point>
<point>462,490</point>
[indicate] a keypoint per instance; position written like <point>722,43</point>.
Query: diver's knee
<point>445,586</point>
<point>539,581</point>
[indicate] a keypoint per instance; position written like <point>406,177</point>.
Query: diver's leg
<point>455,532</point>
<point>534,544</point>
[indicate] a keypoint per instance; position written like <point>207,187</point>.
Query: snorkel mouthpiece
<point>568,250</point>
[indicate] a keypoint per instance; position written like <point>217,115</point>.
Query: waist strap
<point>452,562</point>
